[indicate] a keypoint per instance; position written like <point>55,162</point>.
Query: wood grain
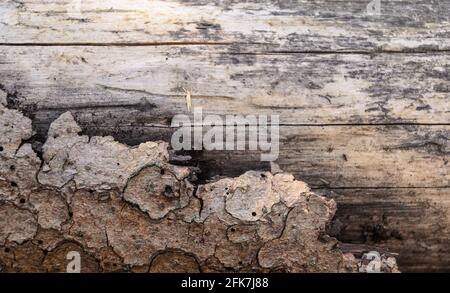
<point>269,25</point>
<point>413,222</point>
<point>382,156</point>
<point>311,89</point>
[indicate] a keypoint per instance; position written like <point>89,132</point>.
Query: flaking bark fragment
<point>157,191</point>
<point>16,224</point>
<point>97,163</point>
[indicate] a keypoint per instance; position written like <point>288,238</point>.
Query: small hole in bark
<point>12,168</point>
<point>40,242</point>
<point>162,171</point>
<point>232,229</point>
<point>13,184</point>
<point>55,136</point>
<point>240,263</point>
<point>118,164</point>
<point>1,148</point>
<point>7,249</point>
<point>114,265</point>
<point>168,189</point>
<point>70,214</point>
<point>22,200</point>
<point>45,251</point>
<point>226,188</point>
<point>254,214</point>
<point>263,175</point>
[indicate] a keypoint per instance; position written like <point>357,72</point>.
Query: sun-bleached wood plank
<point>149,83</point>
<point>279,25</point>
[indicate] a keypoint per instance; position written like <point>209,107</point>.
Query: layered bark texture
<point>126,208</point>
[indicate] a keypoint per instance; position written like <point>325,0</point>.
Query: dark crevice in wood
<point>269,125</point>
<point>287,125</point>
<point>378,187</point>
<point>348,52</point>
<point>131,44</point>
<point>232,46</point>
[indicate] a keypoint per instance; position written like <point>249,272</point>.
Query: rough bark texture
<point>127,209</point>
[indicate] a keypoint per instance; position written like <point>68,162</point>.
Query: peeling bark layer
<point>127,209</point>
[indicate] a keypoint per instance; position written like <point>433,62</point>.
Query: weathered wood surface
<point>301,88</point>
<point>333,156</point>
<point>361,156</point>
<point>412,221</point>
<point>363,100</point>
<point>297,25</point>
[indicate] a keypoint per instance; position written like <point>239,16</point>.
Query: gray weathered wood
<point>301,88</point>
<point>411,222</point>
<point>270,25</point>
<point>353,156</point>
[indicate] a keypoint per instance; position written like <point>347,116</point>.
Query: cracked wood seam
<point>270,25</point>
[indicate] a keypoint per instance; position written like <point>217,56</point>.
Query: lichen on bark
<point>128,209</point>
